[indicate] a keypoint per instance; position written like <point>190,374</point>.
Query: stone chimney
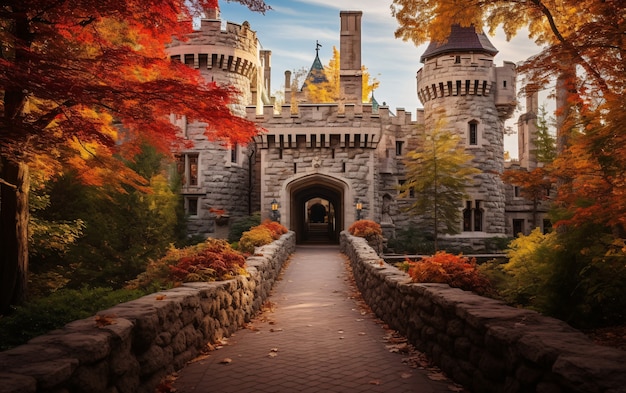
<point>350,74</point>
<point>212,12</point>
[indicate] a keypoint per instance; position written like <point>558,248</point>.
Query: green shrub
<point>412,241</point>
<point>42,315</point>
<point>240,225</point>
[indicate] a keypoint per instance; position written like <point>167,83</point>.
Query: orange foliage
<point>257,236</point>
<point>367,229</point>
<point>454,270</point>
<point>276,228</point>
<point>216,261</point>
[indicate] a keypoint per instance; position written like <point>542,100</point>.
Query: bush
<point>260,235</point>
<point>210,260</point>
<point>276,228</point>
<point>255,237</point>
<point>42,315</point>
<point>217,261</point>
<point>240,225</point>
<point>412,241</point>
<point>454,270</point>
<point>367,229</point>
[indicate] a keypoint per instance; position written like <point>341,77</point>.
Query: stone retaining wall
<point>482,343</point>
<point>132,346</point>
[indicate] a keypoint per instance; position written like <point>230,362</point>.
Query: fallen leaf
<point>437,376</point>
<point>160,297</point>
<point>104,320</point>
<point>406,375</point>
<point>226,361</point>
<point>362,334</point>
<point>375,382</point>
<point>272,354</point>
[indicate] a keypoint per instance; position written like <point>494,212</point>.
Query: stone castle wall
<point>138,343</point>
<point>481,343</point>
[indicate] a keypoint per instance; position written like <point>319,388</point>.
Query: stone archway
<point>311,191</point>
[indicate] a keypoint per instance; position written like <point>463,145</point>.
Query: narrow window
<point>457,60</point>
<point>192,206</point>
<point>478,217</point>
<point>234,153</point>
<point>518,227</point>
<point>467,217</point>
<point>473,133</point>
<point>187,167</point>
<point>516,191</point>
<point>399,148</point>
<point>193,169</point>
<point>504,84</point>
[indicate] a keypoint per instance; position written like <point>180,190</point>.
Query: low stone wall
<point>482,343</point>
<point>132,346</point>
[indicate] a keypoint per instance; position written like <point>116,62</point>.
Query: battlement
<point>329,113</point>
<point>327,125</point>
<point>233,49</point>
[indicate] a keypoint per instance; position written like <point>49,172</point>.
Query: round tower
<point>218,179</point>
<point>228,56</point>
<point>459,81</point>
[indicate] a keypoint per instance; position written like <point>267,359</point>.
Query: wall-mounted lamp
<point>359,207</point>
<point>274,206</point>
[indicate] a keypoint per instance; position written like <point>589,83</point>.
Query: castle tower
<point>526,132</point>
<point>217,179</point>
<point>460,82</point>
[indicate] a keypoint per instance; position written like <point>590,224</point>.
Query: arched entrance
<point>317,208</point>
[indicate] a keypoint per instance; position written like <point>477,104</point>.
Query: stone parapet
<point>482,343</point>
<point>132,346</point>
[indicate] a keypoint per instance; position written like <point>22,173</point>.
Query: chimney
<point>212,12</point>
<point>350,74</point>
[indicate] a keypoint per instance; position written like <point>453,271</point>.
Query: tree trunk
<point>14,191</point>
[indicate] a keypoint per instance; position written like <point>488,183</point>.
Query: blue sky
<point>292,27</point>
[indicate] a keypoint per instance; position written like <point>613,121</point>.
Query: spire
<point>461,39</point>
<point>316,73</point>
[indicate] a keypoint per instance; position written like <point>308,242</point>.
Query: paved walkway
<point>315,338</point>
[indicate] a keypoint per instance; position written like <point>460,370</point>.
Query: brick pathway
<point>315,339</point>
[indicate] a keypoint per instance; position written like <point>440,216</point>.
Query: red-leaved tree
<point>78,78</point>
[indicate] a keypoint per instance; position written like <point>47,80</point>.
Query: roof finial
<point>317,47</point>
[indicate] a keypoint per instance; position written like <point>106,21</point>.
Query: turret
<point>460,82</point>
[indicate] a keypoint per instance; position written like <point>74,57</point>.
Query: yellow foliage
<point>255,237</point>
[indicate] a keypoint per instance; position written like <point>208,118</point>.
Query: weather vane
<point>317,46</point>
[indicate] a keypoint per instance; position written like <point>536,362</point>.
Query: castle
<point>320,167</point>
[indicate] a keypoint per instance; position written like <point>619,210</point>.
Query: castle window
<point>472,217</point>
<point>473,133</point>
<point>518,227</point>
<point>449,88</point>
<point>191,206</point>
<point>504,84</point>
<point>457,59</point>
<point>187,166</point>
<point>547,226</point>
<point>458,88</point>
<point>516,192</point>
<point>399,148</point>
<point>234,153</point>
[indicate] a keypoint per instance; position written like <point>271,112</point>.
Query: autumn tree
<point>437,174</point>
<point>329,90</point>
<point>79,78</point>
<point>584,48</point>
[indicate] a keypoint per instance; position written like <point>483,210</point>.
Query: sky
<point>290,30</point>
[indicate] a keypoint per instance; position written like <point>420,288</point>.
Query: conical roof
<point>316,74</point>
<point>461,39</point>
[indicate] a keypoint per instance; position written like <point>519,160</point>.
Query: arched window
<point>473,217</point>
